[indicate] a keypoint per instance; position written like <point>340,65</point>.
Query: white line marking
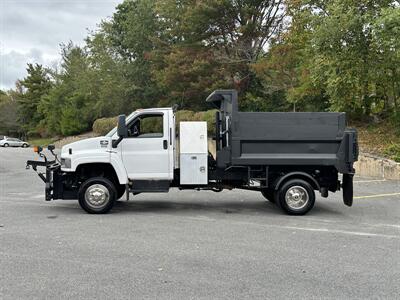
<point>19,194</point>
<point>377,196</point>
<point>372,180</point>
<point>341,231</point>
<point>325,230</point>
<point>386,225</point>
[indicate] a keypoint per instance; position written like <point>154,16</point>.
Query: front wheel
<point>97,195</point>
<point>6,145</point>
<point>24,145</point>
<point>296,197</point>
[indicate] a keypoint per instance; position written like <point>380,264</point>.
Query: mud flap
<point>347,186</point>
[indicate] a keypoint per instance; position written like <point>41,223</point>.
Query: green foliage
<point>44,142</point>
<point>393,151</point>
<point>71,120</point>
<point>349,57</point>
<point>9,124</point>
<point>104,125</point>
<point>131,37</point>
<point>31,90</point>
<point>208,116</point>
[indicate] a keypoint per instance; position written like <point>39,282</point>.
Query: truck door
<point>147,152</point>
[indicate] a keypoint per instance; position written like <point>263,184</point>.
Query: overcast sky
<point>32,31</point>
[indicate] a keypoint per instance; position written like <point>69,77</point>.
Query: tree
<point>222,36</point>
<point>237,32</point>
<point>189,75</point>
<point>336,55</point>
<point>70,107</point>
<point>386,30</point>
<point>33,88</point>
<point>346,55</point>
<point>8,115</point>
<point>285,70</point>
<point>132,34</point>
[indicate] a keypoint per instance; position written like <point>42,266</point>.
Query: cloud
<point>32,30</point>
<point>13,65</point>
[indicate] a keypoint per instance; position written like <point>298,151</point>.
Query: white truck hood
<point>91,145</point>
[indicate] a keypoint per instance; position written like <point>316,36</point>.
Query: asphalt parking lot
<point>191,245</point>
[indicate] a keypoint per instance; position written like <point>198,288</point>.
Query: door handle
<point>165,144</point>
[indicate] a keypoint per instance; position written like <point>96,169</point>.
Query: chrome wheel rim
<point>97,196</point>
<point>296,197</point>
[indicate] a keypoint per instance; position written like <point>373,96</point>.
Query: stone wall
<point>373,166</point>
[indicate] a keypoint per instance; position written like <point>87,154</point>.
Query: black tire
<point>6,145</point>
<point>120,190</point>
<point>97,185</point>
<point>295,197</point>
<point>268,194</point>
<point>24,145</point>
<point>347,187</point>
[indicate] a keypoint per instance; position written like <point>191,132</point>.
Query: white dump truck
<point>285,156</point>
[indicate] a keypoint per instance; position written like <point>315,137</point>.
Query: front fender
<point>113,159</point>
<point>119,168</point>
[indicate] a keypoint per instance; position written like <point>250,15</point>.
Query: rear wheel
<point>347,186</point>
<point>268,194</point>
<point>97,195</point>
<point>24,145</point>
<point>296,197</point>
<point>6,145</point>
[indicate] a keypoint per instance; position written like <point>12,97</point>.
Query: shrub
<point>208,116</point>
<point>104,125</point>
<point>184,115</point>
<point>393,151</point>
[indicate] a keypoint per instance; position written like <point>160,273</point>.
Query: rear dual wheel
<point>295,197</point>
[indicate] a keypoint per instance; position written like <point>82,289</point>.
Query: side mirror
<point>122,129</point>
<point>51,147</point>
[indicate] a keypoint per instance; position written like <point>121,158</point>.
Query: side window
<point>147,126</point>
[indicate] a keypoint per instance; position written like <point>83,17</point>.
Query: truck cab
<point>285,156</point>
<point>145,153</point>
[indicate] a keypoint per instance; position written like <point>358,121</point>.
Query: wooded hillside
<point>281,55</point>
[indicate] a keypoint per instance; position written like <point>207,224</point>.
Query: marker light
<point>37,149</point>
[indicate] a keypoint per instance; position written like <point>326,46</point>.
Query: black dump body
<point>281,139</point>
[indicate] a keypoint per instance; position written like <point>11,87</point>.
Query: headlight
<point>66,163</point>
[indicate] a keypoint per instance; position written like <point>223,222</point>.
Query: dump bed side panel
<point>288,126</point>
<point>286,138</point>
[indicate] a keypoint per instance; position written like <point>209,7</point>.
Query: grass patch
<point>41,141</point>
